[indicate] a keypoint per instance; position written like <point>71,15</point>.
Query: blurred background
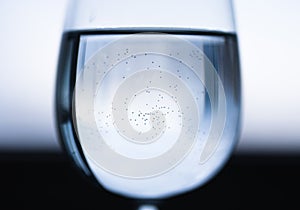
<point>263,171</point>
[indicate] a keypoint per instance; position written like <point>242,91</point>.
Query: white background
<point>269,41</point>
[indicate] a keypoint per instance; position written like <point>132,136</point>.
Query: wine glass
<point>148,93</point>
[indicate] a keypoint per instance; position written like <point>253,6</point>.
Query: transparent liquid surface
<point>149,115</point>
